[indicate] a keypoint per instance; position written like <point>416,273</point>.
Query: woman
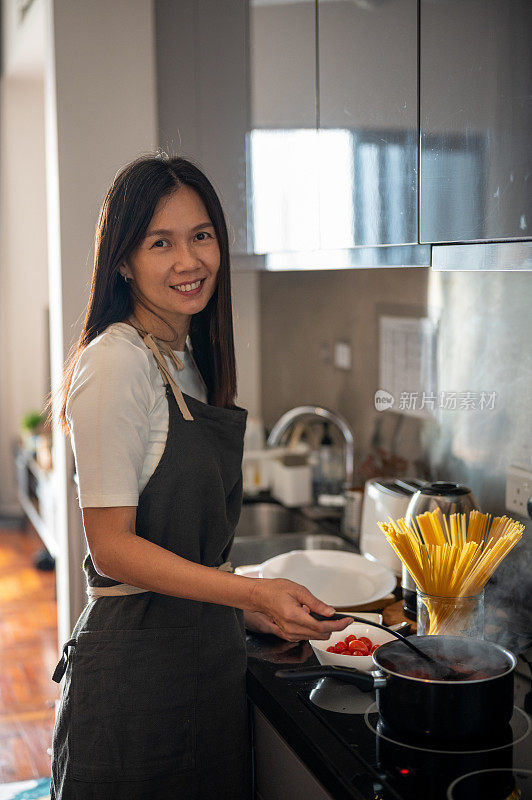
<point>154,702</point>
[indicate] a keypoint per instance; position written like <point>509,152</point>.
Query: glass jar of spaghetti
<point>450,616</point>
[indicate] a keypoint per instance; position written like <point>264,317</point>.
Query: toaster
<point>383,498</point>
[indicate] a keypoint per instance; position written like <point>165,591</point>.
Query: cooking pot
<point>411,700</point>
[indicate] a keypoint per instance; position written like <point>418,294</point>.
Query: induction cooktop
<point>393,767</point>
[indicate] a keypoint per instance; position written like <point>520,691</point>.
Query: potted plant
<point>30,428</point>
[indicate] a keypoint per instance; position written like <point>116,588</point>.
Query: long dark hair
<point>124,218</point>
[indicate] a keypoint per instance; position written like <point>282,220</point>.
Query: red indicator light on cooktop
<point>404,771</point>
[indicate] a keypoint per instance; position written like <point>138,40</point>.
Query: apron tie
<point>123,589</point>
<point>168,378</point>
<point>60,670</point>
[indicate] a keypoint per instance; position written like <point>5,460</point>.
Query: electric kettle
<point>451,498</point>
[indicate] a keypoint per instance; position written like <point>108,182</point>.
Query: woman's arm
<point>118,553</point>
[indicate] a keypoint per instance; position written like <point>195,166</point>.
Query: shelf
<point>39,505</point>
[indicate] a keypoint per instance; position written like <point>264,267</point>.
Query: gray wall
<point>23,268</point>
<point>92,59</point>
<point>301,310</point>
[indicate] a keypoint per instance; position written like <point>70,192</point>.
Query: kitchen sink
<point>265,519</point>
<point>256,549</point>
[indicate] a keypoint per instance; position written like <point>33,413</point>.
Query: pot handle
<point>364,681</point>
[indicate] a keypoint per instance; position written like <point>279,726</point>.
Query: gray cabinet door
<point>283,176</point>
<point>202,93</point>
<point>368,114</point>
<point>279,773</point>
<point>476,120</point>
<point>282,39</point>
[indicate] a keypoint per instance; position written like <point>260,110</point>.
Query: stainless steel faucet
<point>301,412</point>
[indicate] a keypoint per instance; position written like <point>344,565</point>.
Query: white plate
<point>248,570</point>
<point>369,615</point>
<point>336,577</point>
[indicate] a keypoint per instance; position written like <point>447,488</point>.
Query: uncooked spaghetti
<point>452,556</point>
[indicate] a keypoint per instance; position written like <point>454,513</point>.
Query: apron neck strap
<point>156,345</point>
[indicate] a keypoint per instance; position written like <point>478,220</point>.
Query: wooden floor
<point>28,655</point>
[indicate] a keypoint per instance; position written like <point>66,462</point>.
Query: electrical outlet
<point>518,490</point>
<point>342,355</point>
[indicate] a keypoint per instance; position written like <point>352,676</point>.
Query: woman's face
<point>179,249</point>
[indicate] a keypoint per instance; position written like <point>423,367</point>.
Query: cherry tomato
<point>339,647</point>
<point>358,647</point>
<point>375,646</point>
<point>331,650</point>
<point>349,638</point>
<point>367,642</point>
<point>347,652</point>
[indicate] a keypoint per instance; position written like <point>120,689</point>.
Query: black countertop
<point>345,757</point>
<point>336,767</point>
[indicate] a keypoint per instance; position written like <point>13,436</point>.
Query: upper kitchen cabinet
<point>282,38</point>
<point>368,119</point>
<point>334,134</point>
<point>476,120</point>
<point>283,147</point>
<point>203,96</point>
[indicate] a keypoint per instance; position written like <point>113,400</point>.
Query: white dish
<point>369,615</point>
<point>364,663</point>
<point>336,577</point>
<point>248,570</point>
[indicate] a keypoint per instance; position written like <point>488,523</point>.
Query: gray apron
<point>154,701</point>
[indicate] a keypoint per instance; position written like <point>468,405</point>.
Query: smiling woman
<point>149,403</point>
<point>144,199</point>
<point>177,256</point>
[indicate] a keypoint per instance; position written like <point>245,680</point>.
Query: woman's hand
<point>287,605</point>
<point>260,623</point>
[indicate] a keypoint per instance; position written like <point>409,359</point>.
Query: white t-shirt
<point>117,413</point>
